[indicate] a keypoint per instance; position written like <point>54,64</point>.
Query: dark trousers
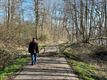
<point>33,56</point>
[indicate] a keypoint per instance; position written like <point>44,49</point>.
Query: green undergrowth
<point>42,46</point>
<point>78,58</point>
<point>12,68</point>
<point>85,70</point>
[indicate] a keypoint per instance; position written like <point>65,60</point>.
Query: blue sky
<point>29,3</point>
<point>28,8</point>
<point>1,14</point>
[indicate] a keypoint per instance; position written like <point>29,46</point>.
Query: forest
<point>77,27</point>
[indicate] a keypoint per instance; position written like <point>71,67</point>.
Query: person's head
<point>34,39</point>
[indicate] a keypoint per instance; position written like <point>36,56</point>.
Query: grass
<point>42,46</point>
<point>85,70</point>
<point>81,66</point>
<point>12,68</point>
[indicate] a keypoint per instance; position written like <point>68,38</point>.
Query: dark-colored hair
<point>33,38</point>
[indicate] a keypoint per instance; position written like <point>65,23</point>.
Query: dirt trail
<point>47,68</point>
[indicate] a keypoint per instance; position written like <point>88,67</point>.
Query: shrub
<point>100,52</point>
<point>43,38</point>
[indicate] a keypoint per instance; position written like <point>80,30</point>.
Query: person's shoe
<point>35,63</point>
<point>32,63</point>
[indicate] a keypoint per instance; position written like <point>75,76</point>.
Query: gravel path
<point>47,68</point>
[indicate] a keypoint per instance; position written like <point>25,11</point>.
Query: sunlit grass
<point>84,70</point>
<point>12,68</point>
<point>83,64</point>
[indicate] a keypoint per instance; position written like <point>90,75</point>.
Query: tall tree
<point>36,17</point>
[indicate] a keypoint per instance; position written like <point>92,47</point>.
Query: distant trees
<point>13,27</point>
<point>73,20</point>
<point>88,19</point>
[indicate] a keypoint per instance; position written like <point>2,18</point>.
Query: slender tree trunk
<point>91,18</point>
<point>36,18</point>
<point>86,19</point>
<point>81,20</point>
<point>76,24</point>
<point>105,8</point>
<point>8,19</point>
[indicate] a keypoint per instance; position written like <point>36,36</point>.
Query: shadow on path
<point>47,68</point>
<point>50,66</point>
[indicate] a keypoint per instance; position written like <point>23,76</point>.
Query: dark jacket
<point>33,47</point>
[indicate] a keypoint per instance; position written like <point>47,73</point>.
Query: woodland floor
<point>49,67</point>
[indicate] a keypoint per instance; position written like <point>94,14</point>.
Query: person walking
<point>33,49</point>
